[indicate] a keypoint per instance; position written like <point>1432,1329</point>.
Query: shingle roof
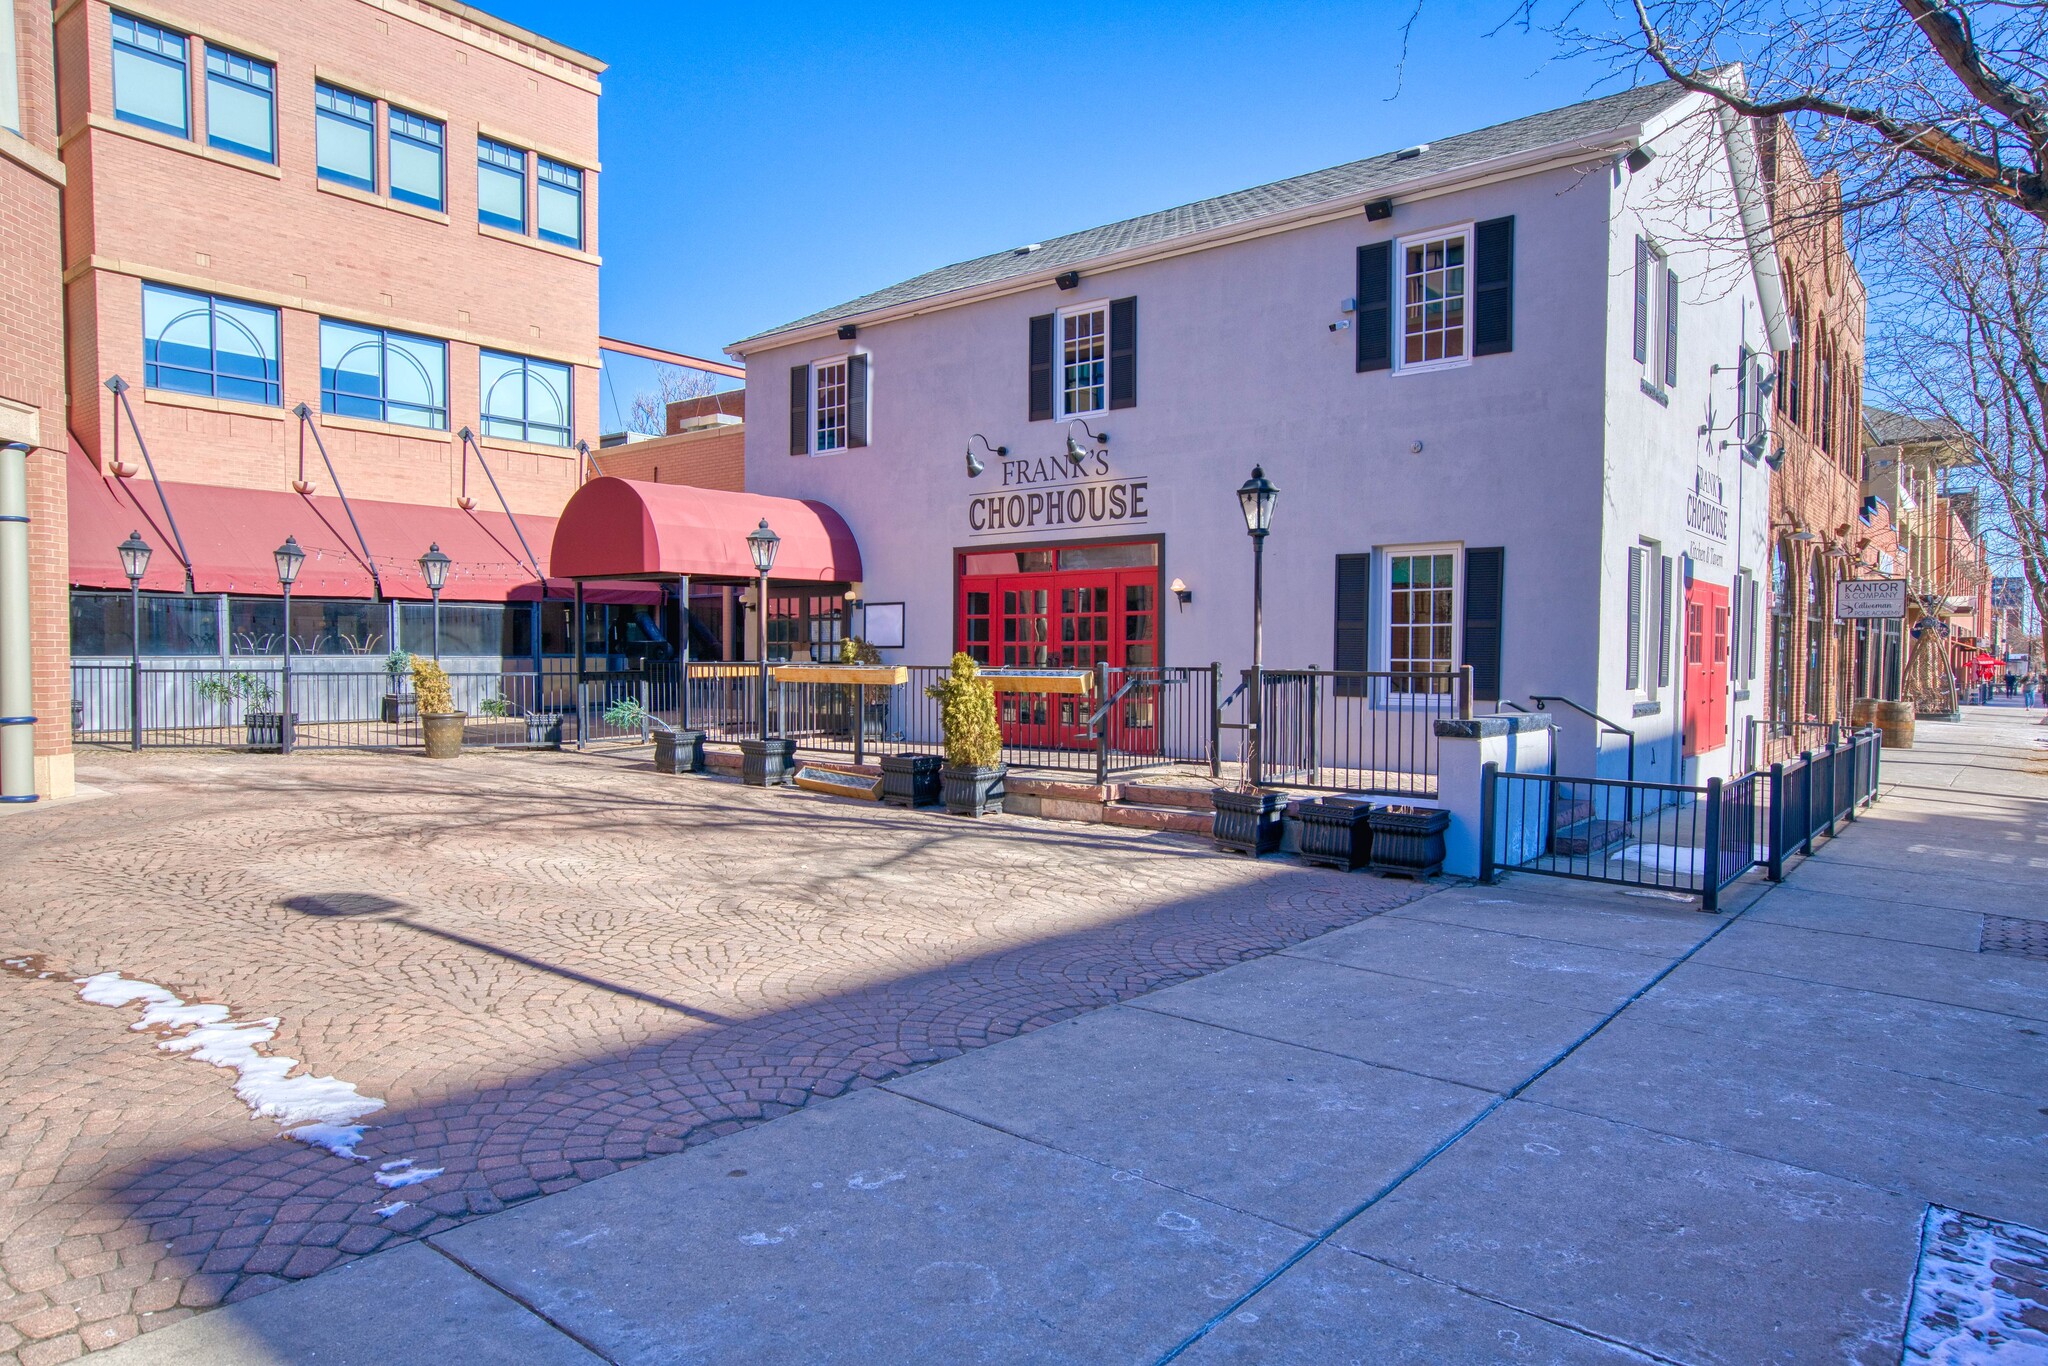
<point>1888,428</point>
<point>1385,172</point>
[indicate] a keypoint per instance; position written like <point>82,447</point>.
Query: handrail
<point>1110,703</point>
<point>1542,701</point>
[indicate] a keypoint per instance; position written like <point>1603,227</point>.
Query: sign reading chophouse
<point>1870,599</point>
<point>1051,494</point>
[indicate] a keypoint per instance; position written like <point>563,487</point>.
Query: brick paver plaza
<point>548,967</point>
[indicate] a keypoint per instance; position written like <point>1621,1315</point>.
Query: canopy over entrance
<point>622,529</point>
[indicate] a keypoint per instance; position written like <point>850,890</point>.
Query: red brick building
<point>705,446</point>
<point>35,629</point>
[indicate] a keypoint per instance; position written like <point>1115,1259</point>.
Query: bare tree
<point>673,384</point>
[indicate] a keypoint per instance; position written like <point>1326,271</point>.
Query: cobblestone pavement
<point>548,967</point>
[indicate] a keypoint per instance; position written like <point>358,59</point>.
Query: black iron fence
<point>1672,837</point>
<point>1341,731</point>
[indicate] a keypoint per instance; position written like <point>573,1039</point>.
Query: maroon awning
<point>619,528</point>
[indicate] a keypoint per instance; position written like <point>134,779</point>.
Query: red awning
<point>617,528</point>
<point>230,534</point>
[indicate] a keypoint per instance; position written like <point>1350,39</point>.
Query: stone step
<point>1162,794</point>
<point>1178,819</point>
<point>1589,837</point>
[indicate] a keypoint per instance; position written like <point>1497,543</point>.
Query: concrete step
<point>1589,837</point>
<point>1179,819</point>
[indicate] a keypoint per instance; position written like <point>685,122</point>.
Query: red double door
<point>1706,667</point>
<point>1066,619</point>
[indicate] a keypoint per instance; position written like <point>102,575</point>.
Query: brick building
<point>32,178</point>
<point>704,446</point>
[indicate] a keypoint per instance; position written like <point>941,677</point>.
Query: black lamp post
<point>1256,497</point>
<point>134,563</point>
<point>289,557</point>
<point>434,569</point>
<point>762,545</point>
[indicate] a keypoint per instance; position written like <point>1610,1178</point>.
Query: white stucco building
<point>1504,382</point>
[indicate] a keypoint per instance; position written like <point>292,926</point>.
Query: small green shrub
<point>251,690</point>
<point>627,713</point>
<point>430,681</point>
<point>397,664</point>
<point>967,712</point>
<point>495,707</point>
<point>854,650</point>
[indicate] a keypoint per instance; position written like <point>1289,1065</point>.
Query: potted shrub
<point>264,728</point>
<point>399,705</point>
<point>439,721</point>
<point>1334,832</point>
<point>1409,840</point>
<point>675,751</point>
<point>971,780</point>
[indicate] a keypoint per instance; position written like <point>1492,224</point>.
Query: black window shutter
<point>1642,300</point>
<point>1041,367</point>
<point>1664,613</point>
<point>1636,556</point>
<point>1485,586</point>
<point>1123,353</point>
<point>1353,651</point>
<point>800,410</point>
<point>856,400</point>
<point>1670,328</point>
<point>1374,320</point>
<point>1493,275</point>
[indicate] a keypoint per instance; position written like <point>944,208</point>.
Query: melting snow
<point>317,1111</point>
<point>1978,1284</point>
<point>386,1211</point>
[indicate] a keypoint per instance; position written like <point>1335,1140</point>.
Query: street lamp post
<point>134,563</point>
<point>289,557</point>
<point>434,569</point>
<point>1256,497</point>
<point>762,545</point>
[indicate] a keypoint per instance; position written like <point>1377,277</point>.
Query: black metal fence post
<point>1216,719</point>
<point>1101,722</point>
<point>1834,794</point>
<point>1806,805</point>
<point>1710,857</point>
<point>1489,774</point>
<point>1774,824</point>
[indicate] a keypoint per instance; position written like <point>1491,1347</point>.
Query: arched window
<point>1817,626</point>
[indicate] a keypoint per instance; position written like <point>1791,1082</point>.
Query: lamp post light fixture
<point>762,545</point>
<point>1256,497</point>
<point>289,557</point>
<point>134,563</point>
<point>434,569</point>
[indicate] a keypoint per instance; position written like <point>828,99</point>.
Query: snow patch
<point>386,1211</point>
<point>317,1111</point>
<point>1978,1283</point>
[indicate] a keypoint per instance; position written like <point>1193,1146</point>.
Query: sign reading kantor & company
<point>1870,599</point>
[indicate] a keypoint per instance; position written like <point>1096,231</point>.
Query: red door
<point>1706,667</point>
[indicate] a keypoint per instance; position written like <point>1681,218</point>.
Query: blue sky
<point>762,161</point>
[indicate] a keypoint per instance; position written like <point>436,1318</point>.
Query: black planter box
<point>910,779</point>
<point>400,706</point>
<point>1249,822</point>
<point>1334,833</point>
<point>1408,843</point>
<point>973,791</point>
<point>679,751</point>
<point>767,763</point>
<point>544,731</point>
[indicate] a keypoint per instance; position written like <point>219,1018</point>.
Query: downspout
<point>304,489</point>
<point>119,388</point>
<point>468,504</point>
<point>17,676</point>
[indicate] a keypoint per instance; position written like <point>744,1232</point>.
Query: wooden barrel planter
<point>1895,725</point>
<point>1863,713</point>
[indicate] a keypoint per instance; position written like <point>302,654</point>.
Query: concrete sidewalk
<point>1537,1122</point>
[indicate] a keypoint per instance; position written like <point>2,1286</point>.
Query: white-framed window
<point>1648,608</point>
<point>1422,617</point>
<point>1436,282</point>
<point>829,405</point>
<point>1656,315</point>
<point>1084,359</point>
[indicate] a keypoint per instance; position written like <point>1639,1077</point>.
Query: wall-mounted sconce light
<point>974,465</point>
<point>1181,593</point>
<point>847,331</point>
<point>1641,158</point>
<point>1070,279</point>
<point>1076,452</point>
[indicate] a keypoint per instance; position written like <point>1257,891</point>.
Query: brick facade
<point>147,206</point>
<point>710,458</point>
<point>32,373</point>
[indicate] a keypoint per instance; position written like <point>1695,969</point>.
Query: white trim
<point>1464,230</point>
<point>811,405</point>
<point>1059,360</point>
<point>1383,608</point>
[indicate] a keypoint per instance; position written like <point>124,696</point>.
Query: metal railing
<point>1771,741</point>
<point>1817,792</point>
<point>1343,731</point>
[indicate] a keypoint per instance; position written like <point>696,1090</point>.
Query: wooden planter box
<point>1249,822</point>
<point>767,763</point>
<point>973,791</point>
<point>847,675</point>
<point>1334,833</point>
<point>679,751</point>
<point>1408,843</point>
<point>911,779</point>
<point>1025,680</point>
<point>443,732</point>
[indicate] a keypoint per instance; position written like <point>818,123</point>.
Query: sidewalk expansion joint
<point>564,1329</point>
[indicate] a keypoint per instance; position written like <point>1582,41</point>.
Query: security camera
<point>1340,325</point>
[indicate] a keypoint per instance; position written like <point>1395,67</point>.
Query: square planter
<point>544,730</point>
<point>1249,822</point>
<point>400,706</point>
<point>1408,843</point>
<point>265,729</point>
<point>443,732</point>
<point>767,763</point>
<point>679,751</point>
<point>1334,833</point>
<point>911,779</point>
<point>973,791</point>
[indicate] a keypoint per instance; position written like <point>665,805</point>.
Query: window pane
<point>149,76</point>
<point>560,203</point>
<point>466,628</point>
<point>238,104</point>
<point>342,126</point>
<point>547,402</point>
<point>416,381</point>
<point>503,396</point>
<point>1109,556</point>
<point>351,370</point>
<point>416,159</point>
<point>10,77</point>
<point>501,185</point>
<point>173,625</point>
<point>177,340</point>
<point>245,351</point>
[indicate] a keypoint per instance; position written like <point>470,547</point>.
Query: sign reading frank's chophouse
<point>1051,494</point>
